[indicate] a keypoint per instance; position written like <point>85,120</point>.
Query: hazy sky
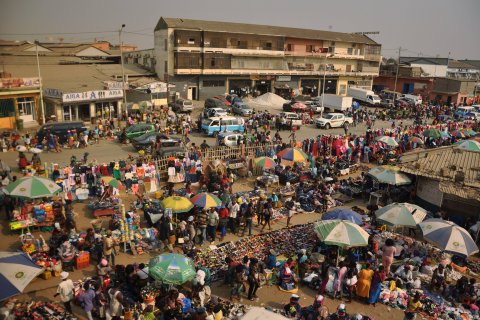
<point>423,27</point>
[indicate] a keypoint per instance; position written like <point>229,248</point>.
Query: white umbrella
<point>16,272</point>
<point>35,150</point>
<point>21,148</point>
<point>401,214</point>
<point>389,141</point>
<point>448,236</point>
<point>390,175</point>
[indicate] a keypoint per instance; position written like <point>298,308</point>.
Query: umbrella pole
<point>338,255</point>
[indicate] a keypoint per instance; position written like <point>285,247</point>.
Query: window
<point>165,67</point>
<point>191,41</point>
<point>7,108</point>
<point>214,83</point>
<point>242,44</point>
<point>214,123</point>
<point>350,51</point>
<point>26,106</point>
<point>166,44</point>
<point>310,48</point>
<point>289,47</point>
<point>331,49</point>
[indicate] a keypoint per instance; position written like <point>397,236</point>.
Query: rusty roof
<point>234,27</point>
<point>457,170</point>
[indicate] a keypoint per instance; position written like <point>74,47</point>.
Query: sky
<point>420,27</point>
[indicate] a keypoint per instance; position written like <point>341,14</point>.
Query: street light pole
<point>121,60</point>
<point>41,83</point>
<point>396,76</point>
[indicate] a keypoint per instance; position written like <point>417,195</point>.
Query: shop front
<point>263,86</point>
<point>240,87</point>
<point>310,86</point>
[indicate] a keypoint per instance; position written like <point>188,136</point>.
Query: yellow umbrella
<point>177,204</point>
<point>135,107</point>
<point>112,182</point>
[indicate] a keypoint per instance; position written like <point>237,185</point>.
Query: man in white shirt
<point>65,290</point>
<point>232,217</point>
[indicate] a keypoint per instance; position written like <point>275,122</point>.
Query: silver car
<point>242,109</point>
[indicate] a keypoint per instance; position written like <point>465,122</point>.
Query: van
<point>461,112</point>
<point>60,129</point>
<point>181,106</point>
<point>213,126</point>
<point>417,99</point>
<point>214,103</point>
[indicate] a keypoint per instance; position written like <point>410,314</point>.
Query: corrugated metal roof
<point>460,65</point>
<point>233,27</point>
<point>450,165</point>
<point>460,191</point>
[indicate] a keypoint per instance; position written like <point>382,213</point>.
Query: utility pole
<point>121,60</point>
<point>396,76</point>
<point>41,83</point>
<point>324,79</point>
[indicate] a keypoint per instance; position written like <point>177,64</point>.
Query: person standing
<point>267,214</point>
<point>388,252</point>
<point>232,216</point>
<point>116,303</point>
<point>87,299</point>
<point>338,283</point>
<point>65,290</point>
<point>345,127</point>
<point>248,219</point>
<point>109,248</point>
<point>364,282</point>
<point>223,215</point>
<point>253,279</point>
<point>202,219</point>
<point>213,220</point>
<point>376,286</point>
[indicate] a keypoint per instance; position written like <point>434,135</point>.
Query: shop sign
<point>92,95</point>
<point>7,83</point>
<point>113,85</point>
<point>52,93</point>
<point>284,78</point>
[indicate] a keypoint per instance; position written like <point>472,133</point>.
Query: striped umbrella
<point>341,233</point>
<point>390,175</point>
<point>401,214</point>
<point>112,182</point>
<point>469,145</point>
<point>432,133</point>
<point>389,141</point>
<point>32,187</point>
<point>172,268</point>
<point>17,270</point>
<point>265,162</point>
<point>293,154</point>
<point>177,204</point>
<point>206,200</point>
<point>448,236</point>
<point>458,134</point>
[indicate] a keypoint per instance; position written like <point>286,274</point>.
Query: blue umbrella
<point>343,214</point>
<point>16,272</point>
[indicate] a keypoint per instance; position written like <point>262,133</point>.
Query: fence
<point>226,153</point>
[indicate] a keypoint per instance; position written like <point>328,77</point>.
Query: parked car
<point>214,112</point>
<point>314,105</point>
<point>472,115</point>
<point>294,106</point>
<point>241,108</point>
<point>332,120</point>
<point>171,151</point>
<point>293,119</point>
<point>60,129</point>
<point>386,103</point>
<point>215,125</point>
<point>139,129</point>
<point>145,141</point>
<point>224,100</point>
<point>215,103</point>
<point>461,112</point>
<point>181,106</point>
<point>229,139</point>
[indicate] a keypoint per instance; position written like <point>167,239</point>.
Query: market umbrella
<point>265,162</point>
<point>145,104</point>
<point>401,214</point>
<point>470,131</point>
<point>172,268</point>
<point>448,236</point>
<point>458,134</point>
<point>341,233</point>
<point>416,140</point>
<point>177,204</point>
<point>432,133</point>
<point>21,148</point>
<point>35,150</point>
<point>293,154</point>
<point>206,200</point>
<point>445,134</point>
<point>390,175</point>
<point>469,145</point>
<point>112,182</point>
<point>32,187</point>
<point>389,141</point>
<point>17,270</point>
<point>343,214</point>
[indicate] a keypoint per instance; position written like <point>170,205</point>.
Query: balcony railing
<point>372,57</point>
<point>271,72</point>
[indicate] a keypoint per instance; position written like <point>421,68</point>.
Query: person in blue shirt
<point>87,299</point>
<point>271,259</point>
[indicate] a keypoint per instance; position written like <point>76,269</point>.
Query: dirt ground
<point>268,295</point>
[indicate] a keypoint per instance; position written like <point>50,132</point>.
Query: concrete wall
<point>298,46</point>
<point>432,70</point>
<point>160,54</point>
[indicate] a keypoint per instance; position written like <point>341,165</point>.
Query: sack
<point>352,281</point>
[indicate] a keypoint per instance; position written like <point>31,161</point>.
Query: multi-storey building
<point>205,58</point>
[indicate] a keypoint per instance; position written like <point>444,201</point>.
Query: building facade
<point>205,58</point>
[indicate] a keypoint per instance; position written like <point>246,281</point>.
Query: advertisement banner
<point>7,83</point>
<point>92,95</point>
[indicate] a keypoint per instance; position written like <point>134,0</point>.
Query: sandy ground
<point>268,295</point>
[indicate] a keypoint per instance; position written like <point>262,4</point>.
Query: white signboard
<point>284,78</point>
<point>92,95</point>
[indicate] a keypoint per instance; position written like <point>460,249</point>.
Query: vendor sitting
<point>439,278</point>
<point>287,276</point>
<point>66,252</point>
<point>404,277</point>
<point>293,308</point>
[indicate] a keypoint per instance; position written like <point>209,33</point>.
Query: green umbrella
<point>390,175</point>
<point>401,214</point>
<point>172,268</point>
<point>341,233</point>
<point>432,133</point>
<point>32,187</point>
<point>469,145</point>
